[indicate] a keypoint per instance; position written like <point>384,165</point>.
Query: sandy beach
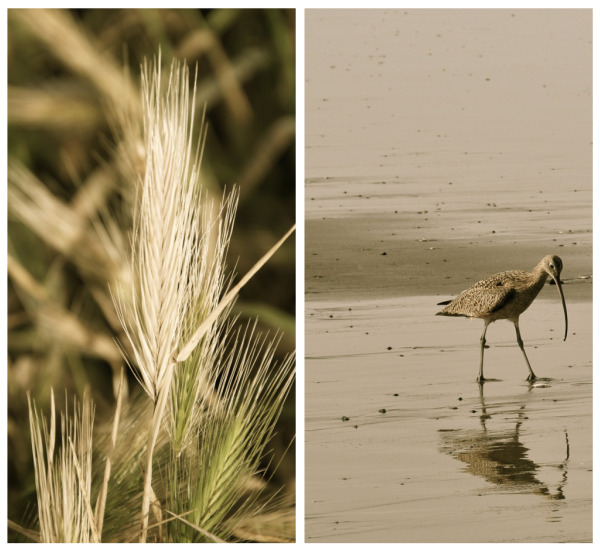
<point>442,147</point>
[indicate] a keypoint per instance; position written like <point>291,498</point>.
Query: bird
<point>505,296</point>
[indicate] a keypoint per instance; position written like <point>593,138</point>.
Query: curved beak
<point>559,286</point>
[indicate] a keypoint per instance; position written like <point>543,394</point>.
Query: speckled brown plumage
<point>506,295</point>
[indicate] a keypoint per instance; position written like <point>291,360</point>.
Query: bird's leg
<point>480,377</point>
<point>531,375</point>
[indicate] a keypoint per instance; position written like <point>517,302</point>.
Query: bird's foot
<point>531,377</point>
<point>480,379</point>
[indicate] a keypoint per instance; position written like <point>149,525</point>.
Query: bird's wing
<point>479,301</point>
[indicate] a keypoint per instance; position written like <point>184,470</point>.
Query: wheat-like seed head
<point>177,269</point>
<point>215,472</point>
<point>174,317</point>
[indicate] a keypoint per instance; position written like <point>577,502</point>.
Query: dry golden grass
<point>79,142</point>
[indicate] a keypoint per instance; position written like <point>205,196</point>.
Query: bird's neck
<point>539,275</point>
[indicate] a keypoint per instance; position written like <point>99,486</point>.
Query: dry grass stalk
<point>203,41</point>
<point>65,229</point>
<point>178,269</point>
<point>101,502</point>
<point>215,394</point>
<point>58,30</point>
<point>60,323</point>
<point>166,255</point>
<point>63,480</point>
<point>228,299</point>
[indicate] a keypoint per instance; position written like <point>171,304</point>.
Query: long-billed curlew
<point>506,295</point>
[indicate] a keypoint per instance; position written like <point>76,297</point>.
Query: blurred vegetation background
<point>73,86</point>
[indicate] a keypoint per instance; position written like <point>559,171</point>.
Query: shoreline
<point>358,256</point>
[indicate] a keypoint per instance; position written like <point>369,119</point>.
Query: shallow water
<point>402,445</point>
<point>443,146</point>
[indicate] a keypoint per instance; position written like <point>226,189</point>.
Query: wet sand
<point>402,445</point>
<point>391,239</point>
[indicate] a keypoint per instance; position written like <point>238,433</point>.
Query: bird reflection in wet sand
<point>501,458</point>
<point>505,296</point>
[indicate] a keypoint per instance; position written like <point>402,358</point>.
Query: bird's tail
<point>445,302</point>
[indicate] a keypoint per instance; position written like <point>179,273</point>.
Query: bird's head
<point>553,266</point>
